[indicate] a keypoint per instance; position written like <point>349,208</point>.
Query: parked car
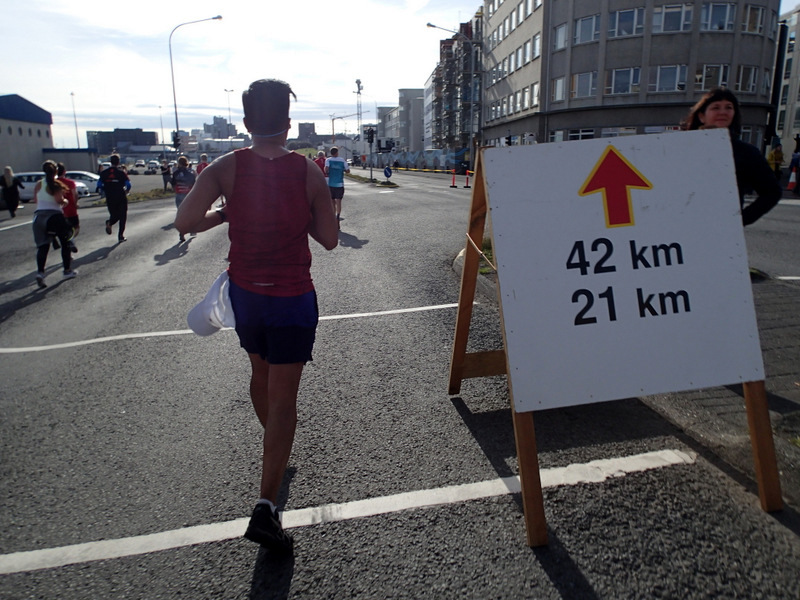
<point>89,179</point>
<point>139,163</point>
<point>29,180</point>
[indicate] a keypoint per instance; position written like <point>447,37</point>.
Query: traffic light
<point>508,140</point>
<point>370,135</point>
<point>176,140</point>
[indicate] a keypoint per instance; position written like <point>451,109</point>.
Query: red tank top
<point>269,218</point>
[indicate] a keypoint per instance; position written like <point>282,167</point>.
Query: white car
<point>89,179</point>
<point>29,180</point>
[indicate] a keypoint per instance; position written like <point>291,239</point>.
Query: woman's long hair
<point>53,185</point>
<point>8,175</point>
<point>692,120</point>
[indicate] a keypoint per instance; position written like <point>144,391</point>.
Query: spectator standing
<point>720,108</point>
<point>202,164</point>
<point>320,160</point>
<point>775,160</point>
<point>117,185</point>
<point>335,168</point>
<point>275,200</point>
<point>166,174</point>
<point>71,207</point>
<point>183,179</point>
<point>48,220</point>
<point>11,186</point>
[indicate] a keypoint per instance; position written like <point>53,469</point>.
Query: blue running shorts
<point>281,330</point>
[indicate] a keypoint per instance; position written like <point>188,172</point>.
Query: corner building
<point>559,70</point>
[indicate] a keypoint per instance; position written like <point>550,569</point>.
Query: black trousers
<point>117,212</point>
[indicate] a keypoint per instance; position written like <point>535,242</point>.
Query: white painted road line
<point>595,471</point>
<point>130,336</point>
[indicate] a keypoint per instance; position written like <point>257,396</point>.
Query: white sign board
<point>622,268</point>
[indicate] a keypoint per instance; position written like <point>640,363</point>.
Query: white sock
<point>268,502</point>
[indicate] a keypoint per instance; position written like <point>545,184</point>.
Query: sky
<point>111,60</point>
<point>106,65</point>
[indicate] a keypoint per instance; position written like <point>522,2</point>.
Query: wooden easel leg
<point>530,481</point>
<point>766,465</point>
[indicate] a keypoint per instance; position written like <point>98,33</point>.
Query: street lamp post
<point>228,92</point>
<point>74,116</point>
<point>471,85</point>
<point>172,69</point>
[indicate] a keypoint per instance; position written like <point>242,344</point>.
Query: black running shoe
<point>265,528</point>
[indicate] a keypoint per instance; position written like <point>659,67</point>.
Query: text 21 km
<point>642,257</point>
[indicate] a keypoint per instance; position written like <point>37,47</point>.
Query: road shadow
<point>272,576</point>
<point>779,404</point>
<point>562,571</point>
<point>179,250</point>
<point>33,293</point>
<point>350,241</point>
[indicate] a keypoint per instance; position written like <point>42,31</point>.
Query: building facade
<point>120,140</point>
<point>788,123</point>
<point>25,129</point>
<point>576,69</point>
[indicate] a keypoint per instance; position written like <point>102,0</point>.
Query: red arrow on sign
<point>615,177</point>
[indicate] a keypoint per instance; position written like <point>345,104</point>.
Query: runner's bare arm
<point>324,227</point>
<point>193,215</point>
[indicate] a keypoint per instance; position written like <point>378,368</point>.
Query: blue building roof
<point>16,108</point>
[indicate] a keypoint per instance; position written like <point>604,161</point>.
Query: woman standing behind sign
<point>720,108</point>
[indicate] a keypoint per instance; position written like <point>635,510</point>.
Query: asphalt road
<point>118,423</point>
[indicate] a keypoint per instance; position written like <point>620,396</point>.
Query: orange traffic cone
<point>792,180</point>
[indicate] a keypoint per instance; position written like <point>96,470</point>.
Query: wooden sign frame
<point>464,365</point>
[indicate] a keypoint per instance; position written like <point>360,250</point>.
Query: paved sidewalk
<point>716,417</point>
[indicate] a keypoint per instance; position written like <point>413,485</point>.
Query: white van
<point>153,164</point>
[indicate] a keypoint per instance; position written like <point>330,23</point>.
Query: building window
<point>503,68</point>
<point>20,130</point>
<point>504,107</point>
<point>38,133</point>
<point>537,4</point>
<point>519,57</point>
<point>584,85</point>
<point>587,29</point>
<point>526,98</point>
<point>672,17</point>
<point>784,95</point>
<point>581,134</point>
<point>10,131</point>
<point>535,94</point>
<point>753,19</point>
<point>528,8</point>
<point>668,78</point>
<point>790,43</point>
<point>626,22</point>
<point>557,135</point>
<point>511,63</point>
<point>717,16</point>
<point>711,76</point>
<point>537,45</point>
<point>526,52</point>
<point>746,81</point>
<point>781,119</point>
<point>787,71</point>
<point>560,37</point>
<point>623,81</point>
<point>796,118</point>
<point>766,83</point>
<point>608,132</point>
<point>558,92</point>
